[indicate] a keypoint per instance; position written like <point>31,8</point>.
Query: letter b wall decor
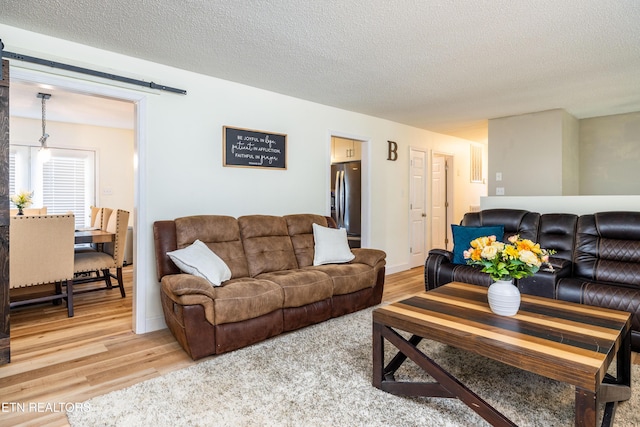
<point>393,151</point>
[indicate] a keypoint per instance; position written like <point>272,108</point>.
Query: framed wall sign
<point>253,148</point>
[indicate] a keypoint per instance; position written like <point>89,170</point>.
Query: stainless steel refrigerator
<point>345,199</point>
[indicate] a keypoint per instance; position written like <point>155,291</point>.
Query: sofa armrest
<point>186,289</point>
<point>187,284</point>
<point>368,256</point>
<point>544,282</point>
<point>434,260</point>
<point>448,255</point>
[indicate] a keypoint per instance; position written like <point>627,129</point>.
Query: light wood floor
<point>58,360</point>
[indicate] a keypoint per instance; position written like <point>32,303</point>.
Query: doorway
<point>346,187</point>
<point>441,201</point>
<point>417,207</point>
<point>94,91</point>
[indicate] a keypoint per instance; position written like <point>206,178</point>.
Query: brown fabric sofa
<point>274,286</point>
<point>597,260</point>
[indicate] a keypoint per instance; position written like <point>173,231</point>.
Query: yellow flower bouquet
<point>23,199</point>
<point>503,261</point>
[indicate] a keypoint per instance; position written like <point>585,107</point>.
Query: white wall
<point>114,154</point>
<point>610,154</point>
<point>565,156</point>
<point>180,153</point>
<point>536,153</point>
<point>570,155</point>
<point>526,142</point>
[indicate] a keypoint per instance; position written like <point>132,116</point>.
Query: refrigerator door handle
<point>337,196</point>
<point>342,199</point>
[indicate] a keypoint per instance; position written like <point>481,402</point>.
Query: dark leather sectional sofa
<point>597,260</point>
<point>274,286</point>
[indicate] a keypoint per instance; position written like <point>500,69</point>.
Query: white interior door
<point>439,204</point>
<point>417,207</point>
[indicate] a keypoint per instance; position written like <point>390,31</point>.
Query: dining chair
<point>102,218</point>
<point>110,257</point>
<point>94,215</point>
<point>41,252</point>
<point>99,219</point>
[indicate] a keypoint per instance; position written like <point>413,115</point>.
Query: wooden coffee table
<point>568,342</point>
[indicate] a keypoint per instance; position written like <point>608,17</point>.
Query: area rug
<point>321,376</point>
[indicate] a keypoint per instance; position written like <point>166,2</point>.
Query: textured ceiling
<point>446,66</point>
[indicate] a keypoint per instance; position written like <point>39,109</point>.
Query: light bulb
<point>44,155</point>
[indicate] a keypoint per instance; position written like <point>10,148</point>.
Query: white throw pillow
<point>199,260</point>
<point>331,245</point>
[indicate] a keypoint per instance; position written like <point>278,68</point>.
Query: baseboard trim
<point>153,324</point>
<point>391,269</point>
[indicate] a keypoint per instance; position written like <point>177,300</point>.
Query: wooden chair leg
<point>70,298</point>
<point>120,281</point>
<point>107,278</point>
<point>58,287</point>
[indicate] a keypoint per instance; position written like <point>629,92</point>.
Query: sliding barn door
<point>5,353</point>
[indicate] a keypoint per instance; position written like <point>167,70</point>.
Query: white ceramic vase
<point>504,297</point>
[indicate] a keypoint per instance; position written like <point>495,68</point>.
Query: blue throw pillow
<point>462,237</point>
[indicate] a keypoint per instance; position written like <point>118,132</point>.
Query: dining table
<point>93,236</point>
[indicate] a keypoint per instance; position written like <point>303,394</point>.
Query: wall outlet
<point>107,191</point>
<point>499,191</point>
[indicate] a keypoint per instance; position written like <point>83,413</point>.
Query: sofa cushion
<point>462,237</point>
<point>558,232</point>
<point>301,232</point>
<point>330,246</point>
<point>514,221</point>
<point>267,244</point>
<point>601,294</point>
<point>348,278</point>
<point>246,298</point>
<point>199,260</point>
<point>301,287</point>
<point>608,248</point>
<point>220,233</point>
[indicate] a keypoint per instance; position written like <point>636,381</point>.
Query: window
<point>12,174</point>
<point>63,184</point>
<point>18,169</point>
<point>476,163</point>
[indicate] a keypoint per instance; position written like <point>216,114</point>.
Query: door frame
<point>365,221</point>
<point>141,234</point>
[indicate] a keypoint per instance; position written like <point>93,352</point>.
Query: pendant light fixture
<point>44,154</point>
